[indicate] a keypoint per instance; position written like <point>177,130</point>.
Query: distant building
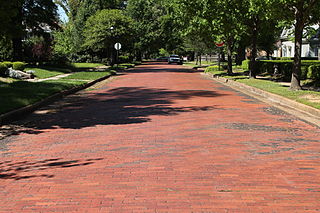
<point>310,48</point>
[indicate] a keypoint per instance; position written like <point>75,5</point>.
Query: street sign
<point>219,44</point>
<point>117,46</point>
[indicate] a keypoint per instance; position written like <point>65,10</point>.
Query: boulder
<point>19,74</point>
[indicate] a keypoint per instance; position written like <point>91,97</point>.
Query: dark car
<point>175,59</point>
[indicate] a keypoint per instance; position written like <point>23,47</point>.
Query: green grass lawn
<point>302,96</point>
<point>21,93</point>
<point>88,75</point>
<point>310,98</point>
<point>46,72</point>
<point>238,73</point>
<point>15,94</point>
<point>86,65</point>
<point>203,63</point>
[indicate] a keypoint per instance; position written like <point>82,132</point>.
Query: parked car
<point>175,59</point>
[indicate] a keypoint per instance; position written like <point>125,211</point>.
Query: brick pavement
<point>161,139</point>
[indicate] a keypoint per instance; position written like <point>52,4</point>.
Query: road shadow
<point>123,105</point>
<point>24,169</point>
<point>162,70</point>
<point>161,67</point>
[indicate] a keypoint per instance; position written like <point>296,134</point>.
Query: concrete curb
<point>18,113</point>
<point>302,111</point>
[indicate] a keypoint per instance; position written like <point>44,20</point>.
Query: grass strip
<point>87,65</point>
<point>310,98</point>
<point>307,97</point>
<point>92,75</point>
<point>42,73</point>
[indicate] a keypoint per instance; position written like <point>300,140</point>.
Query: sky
<point>63,16</point>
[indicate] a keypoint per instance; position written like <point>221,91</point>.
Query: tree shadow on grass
<point>119,106</point>
<point>24,169</point>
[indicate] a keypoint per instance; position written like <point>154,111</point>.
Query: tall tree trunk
<point>17,49</point>
<point>254,36</point>
<point>222,56</point>
<point>296,72</point>
<point>17,36</point>
<point>241,54</point>
<point>229,51</point>
<point>196,57</point>
<point>138,56</point>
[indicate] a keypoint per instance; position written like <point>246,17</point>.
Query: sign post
<point>220,46</point>
<point>117,46</point>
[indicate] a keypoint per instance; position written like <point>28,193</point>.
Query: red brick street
<point>159,138</point>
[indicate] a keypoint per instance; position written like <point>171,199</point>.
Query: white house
<point>310,48</point>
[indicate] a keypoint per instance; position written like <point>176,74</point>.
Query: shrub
<point>265,67</point>
<point>284,58</point>
<point>304,72</point>
<point>314,73</point>
<point>212,69</point>
<point>8,64</point>
<point>245,65</point>
<point>124,59</point>
<point>19,65</point>
<point>284,68</point>
<point>3,69</point>
<point>105,60</point>
<point>128,65</point>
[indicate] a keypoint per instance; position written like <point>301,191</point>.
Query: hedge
<point>124,59</point>
<point>18,65</point>
<point>8,64</point>
<point>284,67</point>
<point>212,69</point>
<point>245,65</point>
<point>314,72</point>
<point>3,69</point>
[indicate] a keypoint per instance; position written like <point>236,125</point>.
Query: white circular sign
<point>117,46</point>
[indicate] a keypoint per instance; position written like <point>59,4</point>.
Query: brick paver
<point>161,139</point>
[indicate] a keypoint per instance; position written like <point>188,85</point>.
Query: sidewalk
<point>51,78</point>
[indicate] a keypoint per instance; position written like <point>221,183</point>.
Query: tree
<point>105,28</point>
<point>5,48</point>
<point>222,20</point>
<point>35,17</point>
<point>69,41</point>
<point>257,12</point>
<point>304,13</point>
<point>269,34</point>
<point>156,26</point>
<point>63,43</point>
<point>226,18</point>
<point>7,13</point>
